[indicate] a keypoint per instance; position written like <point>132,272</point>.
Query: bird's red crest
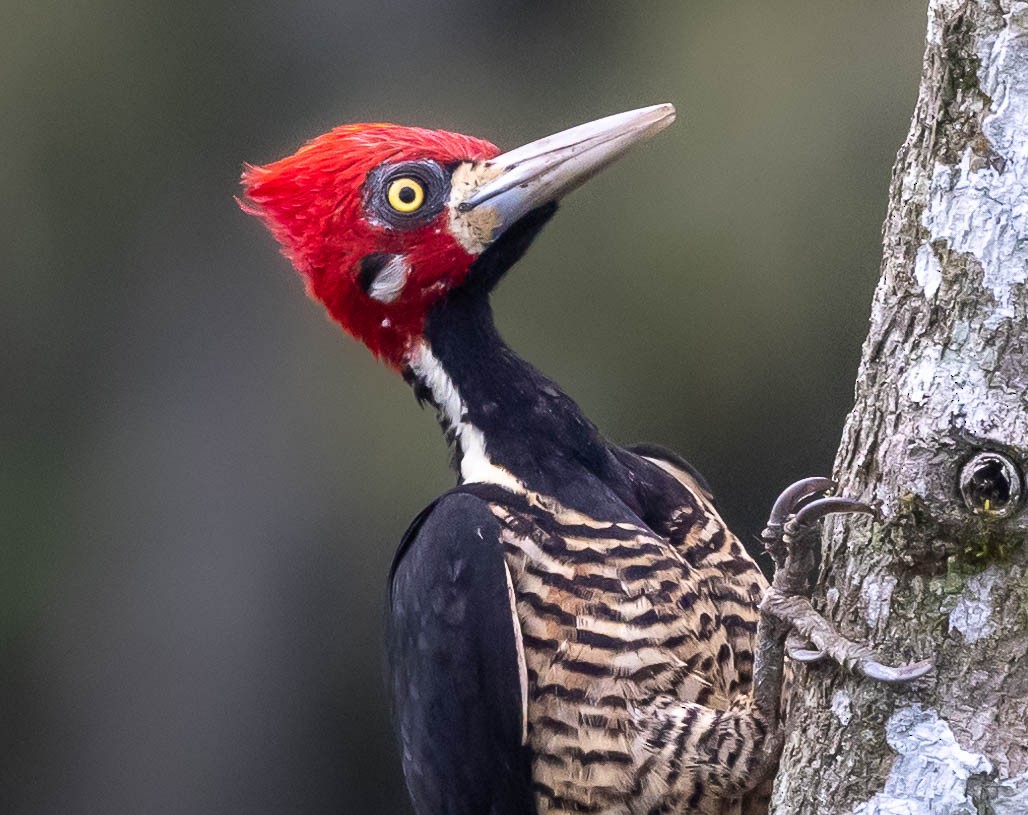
<point>316,204</point>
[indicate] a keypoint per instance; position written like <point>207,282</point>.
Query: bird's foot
<point>812,638</point>
<point>791,538</point>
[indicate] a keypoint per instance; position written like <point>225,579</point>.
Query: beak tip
<point>546,169</point>
<point>668,113</point>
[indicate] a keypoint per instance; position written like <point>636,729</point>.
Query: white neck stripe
<point>475,465</point>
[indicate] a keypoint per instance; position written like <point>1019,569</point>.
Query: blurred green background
<point>203,481</point>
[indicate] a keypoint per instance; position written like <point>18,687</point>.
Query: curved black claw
<point>816,510</point>
<point>793,495</point>
<point>799,649</point>
<point>793,499</point>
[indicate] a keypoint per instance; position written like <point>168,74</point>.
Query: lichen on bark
<point>943,377</point>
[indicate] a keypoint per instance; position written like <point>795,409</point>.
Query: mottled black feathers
<point>454,665</point>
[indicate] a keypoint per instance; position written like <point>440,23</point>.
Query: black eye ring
<point>406,194</point>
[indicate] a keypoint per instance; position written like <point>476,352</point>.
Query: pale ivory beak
<point>498,192</point>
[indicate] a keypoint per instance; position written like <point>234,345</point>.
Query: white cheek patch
<point>390,280</point>
<point>474,230</point>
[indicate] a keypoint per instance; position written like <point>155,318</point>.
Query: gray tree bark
<point>938,439</point>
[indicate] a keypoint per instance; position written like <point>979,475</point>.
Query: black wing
<point>455,665</point>
<point>687,473</point>
<point>655,451</point>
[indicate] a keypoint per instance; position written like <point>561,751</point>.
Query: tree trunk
<point>938,439</point>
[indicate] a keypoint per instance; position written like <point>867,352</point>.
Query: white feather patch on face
<point>474,230</point>
<point>389,282</point>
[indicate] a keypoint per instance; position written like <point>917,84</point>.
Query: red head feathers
<point>383,221</point>
<point>338,208</point>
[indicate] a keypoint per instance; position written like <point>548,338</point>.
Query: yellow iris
<point>405,195</point>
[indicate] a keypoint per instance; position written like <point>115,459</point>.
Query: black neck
<point>530,427</point>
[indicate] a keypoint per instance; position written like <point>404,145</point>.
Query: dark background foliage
<point>202,481</point>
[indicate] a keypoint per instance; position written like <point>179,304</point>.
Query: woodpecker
<point>572,628</point>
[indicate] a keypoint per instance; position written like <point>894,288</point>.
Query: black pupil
<point>407,194</point>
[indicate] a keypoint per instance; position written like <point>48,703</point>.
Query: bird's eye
<point>405,195</point>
